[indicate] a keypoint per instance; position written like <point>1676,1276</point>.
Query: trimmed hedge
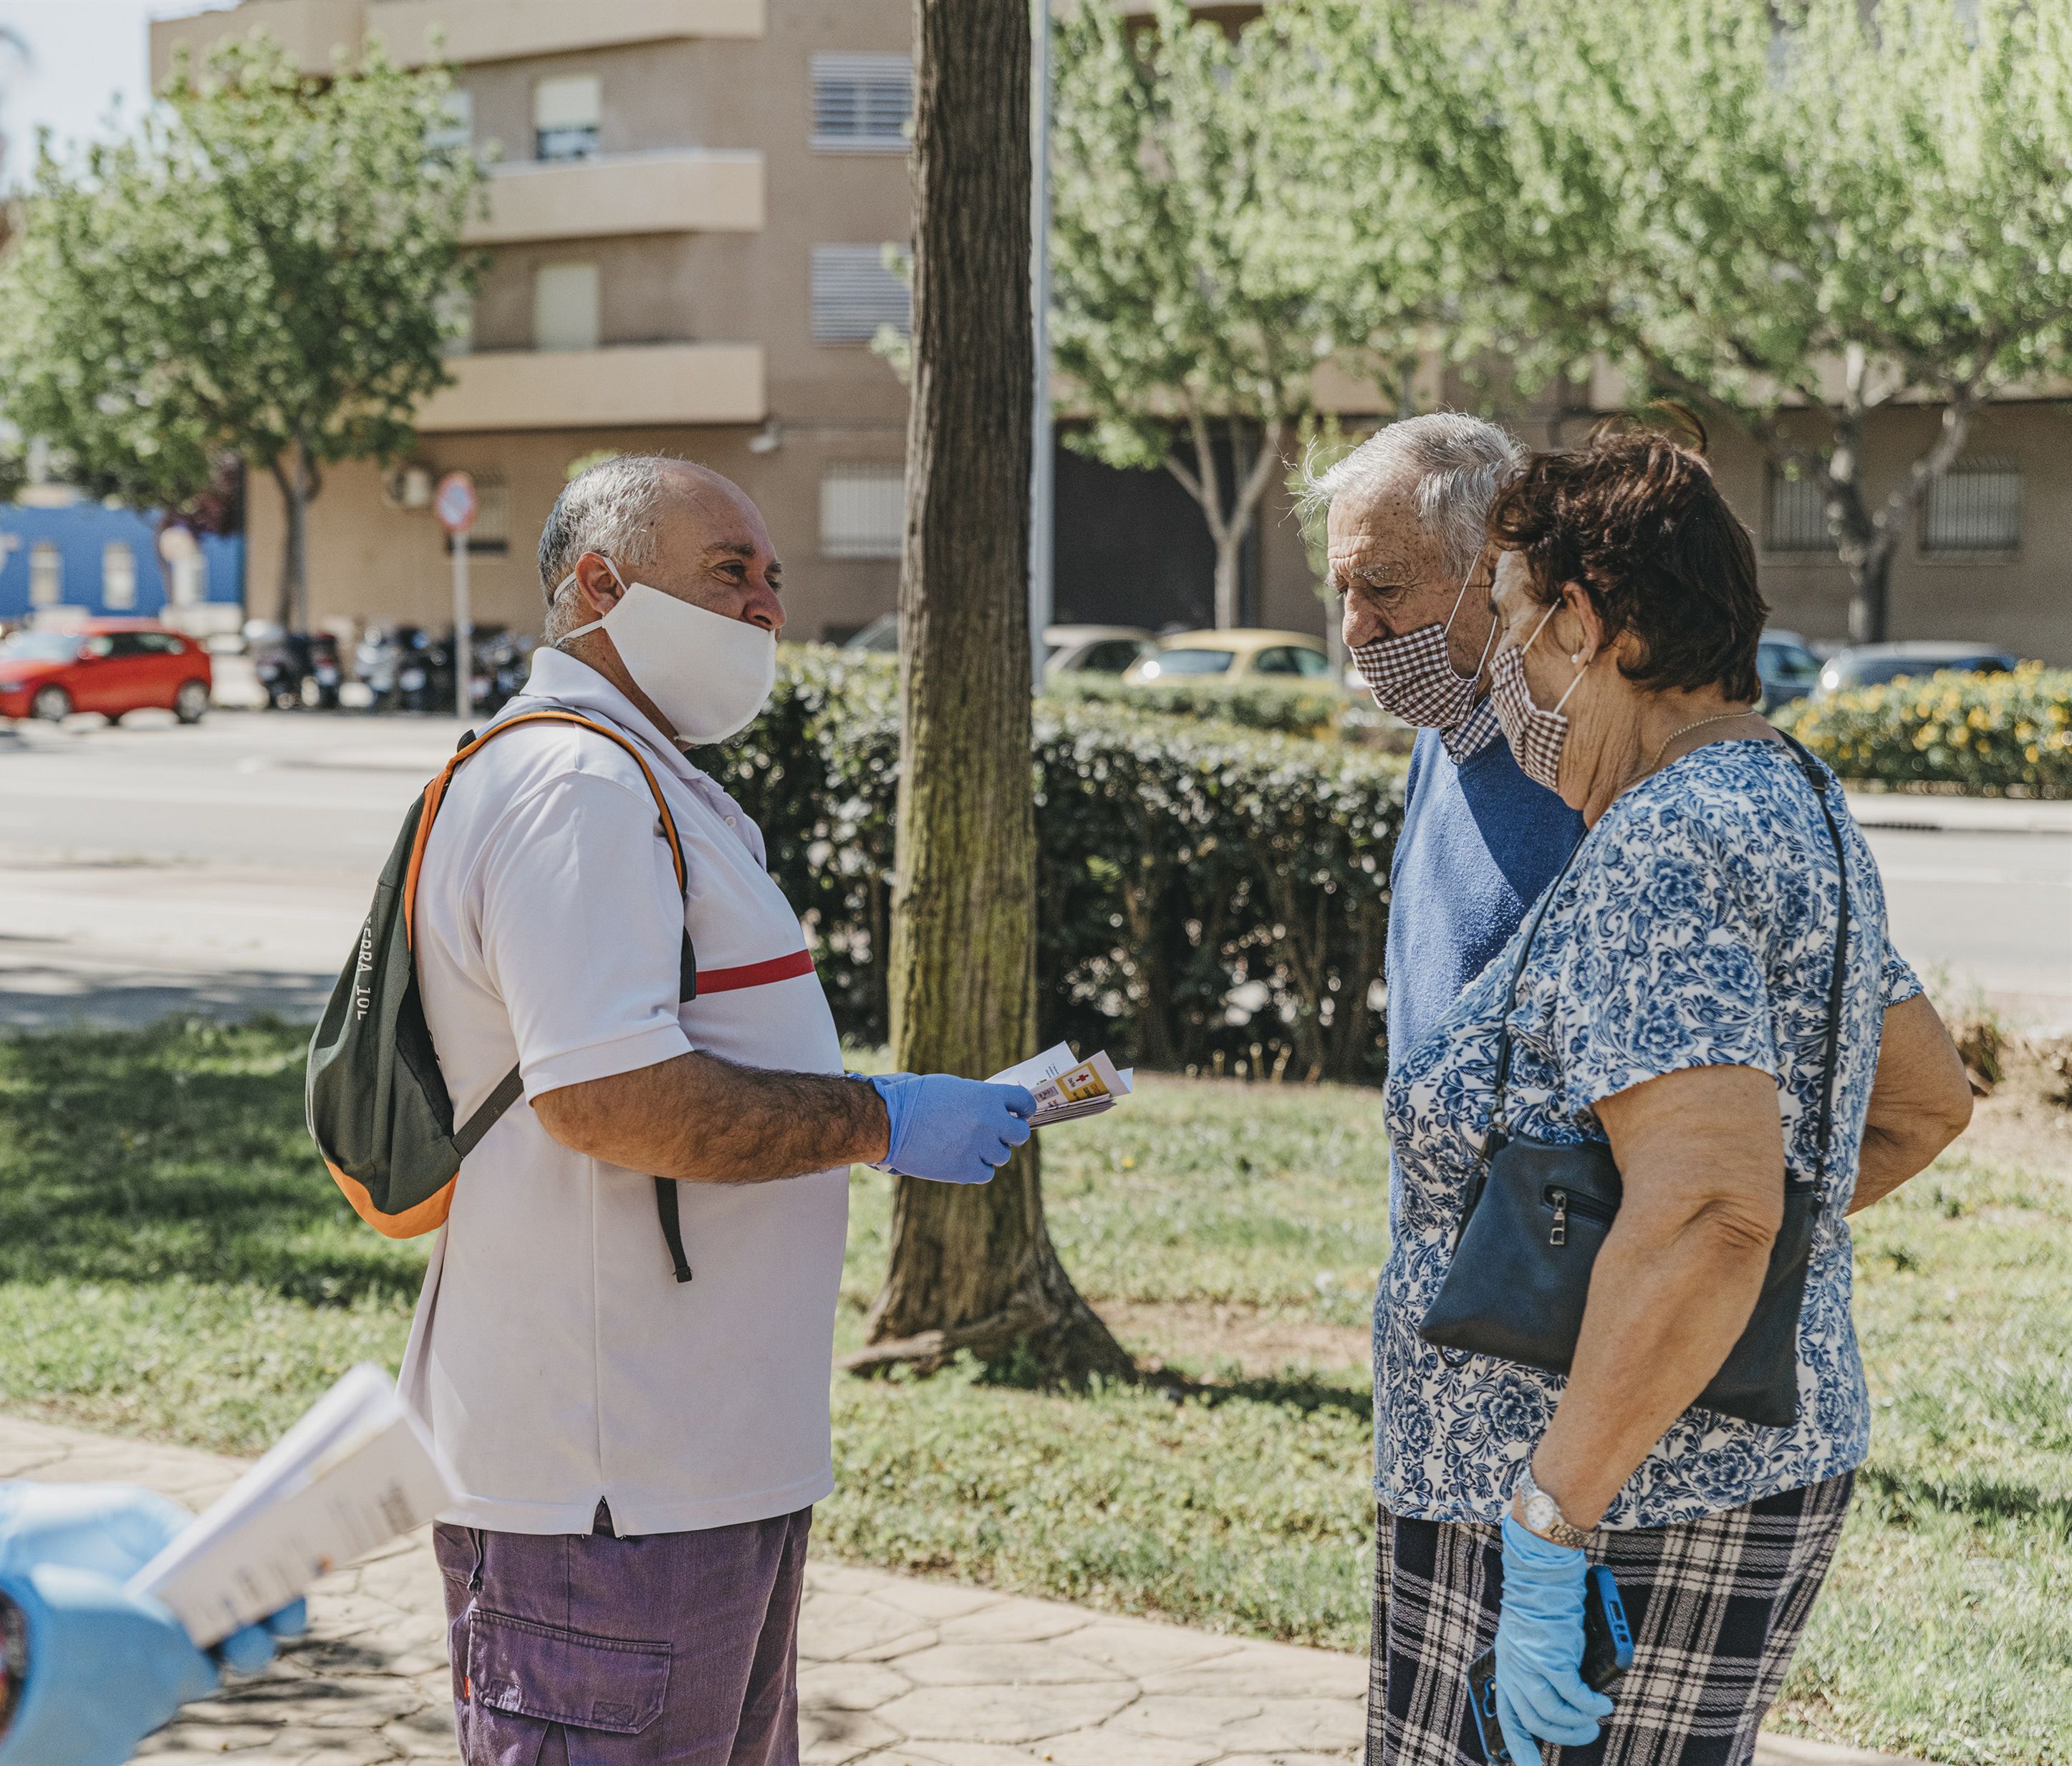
<point>1210,898</point>
<point>1290,708</point>
<point>1984,734</point>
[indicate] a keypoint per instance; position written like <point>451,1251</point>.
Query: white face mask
<point>707,674</point>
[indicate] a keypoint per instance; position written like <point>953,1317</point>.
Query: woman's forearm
<point>1664,1311</point>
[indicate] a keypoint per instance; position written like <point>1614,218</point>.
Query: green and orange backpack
<point>377,1103</point>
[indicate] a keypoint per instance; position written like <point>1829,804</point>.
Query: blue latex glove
<point>1540,1694</point>
<point>65,1551</point>
<point>950,1130</point>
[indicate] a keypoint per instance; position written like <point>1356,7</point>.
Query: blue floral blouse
<point>1695,928</point>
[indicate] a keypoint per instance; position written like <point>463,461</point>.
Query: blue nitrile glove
<point>93,1538</point>
<point>951,1130</point>
<point>1540,1695</point>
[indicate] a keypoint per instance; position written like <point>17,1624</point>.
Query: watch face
<point>1540,1512</point>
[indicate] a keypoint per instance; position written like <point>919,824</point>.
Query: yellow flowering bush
<point>1988,734</point>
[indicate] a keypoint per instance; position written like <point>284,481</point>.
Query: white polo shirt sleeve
<point>584,954</point>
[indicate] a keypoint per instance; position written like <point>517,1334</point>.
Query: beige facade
<point>657,195</point>
<point>658,293</point>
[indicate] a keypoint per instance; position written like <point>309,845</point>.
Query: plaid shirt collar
<point>1466,740</point>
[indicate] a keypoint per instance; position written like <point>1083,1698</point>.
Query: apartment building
<point>685,222</point>
<point>686,211</point>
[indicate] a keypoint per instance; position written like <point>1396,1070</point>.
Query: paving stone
<point>937,1601</point>
<point>1277,1670</point>
<point>832,1738</point>
<point>850,1686</point>
<point>1139,1648</point>
<point>1005,1714</point>
<point>1110,1746</point>
<point>1015,1621</point>
<point>1002,1665</point>
<point>837,1627</point>
<point>1300,1726</point>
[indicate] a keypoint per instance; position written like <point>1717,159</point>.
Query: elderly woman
<point>1671,996</point>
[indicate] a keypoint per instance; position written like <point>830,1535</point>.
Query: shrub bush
<point>1991,734</point>
<point>1209,897</point>
<point>1292,709</point>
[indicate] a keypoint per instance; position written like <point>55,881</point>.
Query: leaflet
<point>355,1472</point>
<point>1066,1087</point>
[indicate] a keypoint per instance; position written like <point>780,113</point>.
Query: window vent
<point>1973,506</point>
<point>854,294</point>
<point>862,103</point>
<point>1798,516</point>
<point>863,511</point>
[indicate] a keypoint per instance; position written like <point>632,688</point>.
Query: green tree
<point>1790,213</point>
<point>1203,268</point>
<point>264,269</point>
<point>972,1270</point>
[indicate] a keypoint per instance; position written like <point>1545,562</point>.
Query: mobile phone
<point>1607,1654</point>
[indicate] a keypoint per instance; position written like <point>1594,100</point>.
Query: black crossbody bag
<point>1536,1214</point>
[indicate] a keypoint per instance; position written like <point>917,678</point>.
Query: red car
<point>109,666</point>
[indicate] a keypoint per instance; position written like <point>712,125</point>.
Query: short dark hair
<point>1636,519</point>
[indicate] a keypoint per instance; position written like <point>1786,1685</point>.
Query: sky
<point>81,56</point>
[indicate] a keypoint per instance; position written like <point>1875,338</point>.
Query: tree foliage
<point>1789,213</point>
<point>1202,271</point>
<point>263,269</point>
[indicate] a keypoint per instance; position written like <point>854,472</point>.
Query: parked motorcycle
<point>281,660</point>
<point>327,673</point>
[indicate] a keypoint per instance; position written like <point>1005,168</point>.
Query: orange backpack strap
<point>435,794</point>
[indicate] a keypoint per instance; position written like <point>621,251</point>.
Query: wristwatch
<point>14,1661</point>
<point>1542,1514</point>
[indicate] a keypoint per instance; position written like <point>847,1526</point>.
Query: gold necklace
<point>1723,717</point>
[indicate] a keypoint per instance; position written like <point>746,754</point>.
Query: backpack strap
<point>512,1086</point>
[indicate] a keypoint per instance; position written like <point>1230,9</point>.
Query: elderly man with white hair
<point>626,1334</point>
<point>1479,842</point>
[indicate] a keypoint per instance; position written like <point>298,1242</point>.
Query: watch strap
<point>1552,1523</point>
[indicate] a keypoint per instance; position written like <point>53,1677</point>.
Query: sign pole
<point>454,505</point>
<point>463,633</point>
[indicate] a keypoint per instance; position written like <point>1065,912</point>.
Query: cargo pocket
<point>524,1677</point>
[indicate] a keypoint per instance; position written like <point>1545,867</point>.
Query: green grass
<point>174,1263</point>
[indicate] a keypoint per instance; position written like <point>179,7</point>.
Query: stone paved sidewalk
<point>893,1671</point>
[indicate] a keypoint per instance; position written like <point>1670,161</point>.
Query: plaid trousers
<point>1717,1607</point>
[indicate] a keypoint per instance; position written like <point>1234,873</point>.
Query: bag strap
<point>1496,1125</point>
<point>1838,970</point>
<point>1837,977</point>
<point>512,1086</point>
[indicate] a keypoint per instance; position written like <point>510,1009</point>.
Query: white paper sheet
<point>355,1472</point>
<point>1066,1087</point>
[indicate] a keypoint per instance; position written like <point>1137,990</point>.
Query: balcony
<point>627,385</point>
<point>683,191</point>
<point>314,32</point>
<point>475,31</point>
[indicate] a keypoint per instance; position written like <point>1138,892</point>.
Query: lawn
<point>173,1263</point>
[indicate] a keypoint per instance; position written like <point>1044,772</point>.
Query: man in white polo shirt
<point>630,1376</point>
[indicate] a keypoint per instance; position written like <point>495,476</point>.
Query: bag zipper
<point>1588,1206</point>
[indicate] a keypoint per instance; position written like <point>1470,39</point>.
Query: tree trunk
<point>293,598</point>
<point>972,1268</point>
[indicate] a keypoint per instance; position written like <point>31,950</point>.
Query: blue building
<point>108,562</point>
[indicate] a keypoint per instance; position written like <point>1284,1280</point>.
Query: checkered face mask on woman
<point>1411,677</point>
<point>1536,737</point>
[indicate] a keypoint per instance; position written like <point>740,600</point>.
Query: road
<point>224,869</point>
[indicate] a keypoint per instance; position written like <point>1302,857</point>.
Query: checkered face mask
<point>1536,737</point>
<point>1411,677</point>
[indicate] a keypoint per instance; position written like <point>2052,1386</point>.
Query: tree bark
<point>972,1268</point>
<point>1204,484</point>
<point>294,543</point>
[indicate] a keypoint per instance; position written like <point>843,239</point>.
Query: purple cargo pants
<point>583,1650</point>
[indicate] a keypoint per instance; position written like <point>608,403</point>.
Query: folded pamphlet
<point>1066,1087</point>
<point>357,1472</point>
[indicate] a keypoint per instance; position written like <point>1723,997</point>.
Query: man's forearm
<point>704,1120</point>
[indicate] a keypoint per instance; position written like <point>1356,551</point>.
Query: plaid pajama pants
<point>1717,1607</point>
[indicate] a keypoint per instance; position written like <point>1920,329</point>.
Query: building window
<point>1973,506</point>
<point>567,114</point>
<point>46,574</point>
<point>491,534</point>
<point>1798,516</point>
<point>455,309</point>
<point>854,294</point>
<point>566,307</point>
<point>863,511</point>
<point>861,104</point>
<point>118,577</point>
<point>456,129</point>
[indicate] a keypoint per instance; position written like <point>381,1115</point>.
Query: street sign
<point>454,503</point>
